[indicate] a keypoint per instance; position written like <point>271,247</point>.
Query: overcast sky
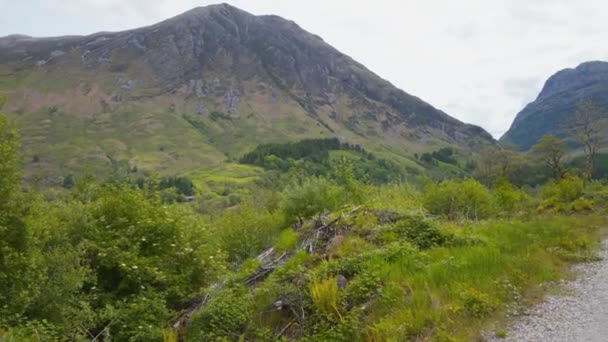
<point>478,60</point>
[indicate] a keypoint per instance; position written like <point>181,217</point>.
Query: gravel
<point>580,315</point>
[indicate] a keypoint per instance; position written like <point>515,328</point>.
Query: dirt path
<point>579,315</point>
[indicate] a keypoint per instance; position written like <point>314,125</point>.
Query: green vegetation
<point>445,155</point>
<point>317,157</point>
<point>303,243</point>
<point>551,151</point>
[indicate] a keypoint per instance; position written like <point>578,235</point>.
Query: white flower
<point>123,265</point>
<point>134,267</point>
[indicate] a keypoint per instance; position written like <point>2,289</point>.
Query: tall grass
<point>325,297</point>
<point>451,290</point>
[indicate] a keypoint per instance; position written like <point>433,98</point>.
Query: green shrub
<point>141,319</point>
<point>562,193</point>
<point>415,230</point>
<point>247,268</point>
<point>286,241</point>
<point>224,318</point>
<point>311,197</point>
<point>245,232</point>
<point>400,197</point>
<point>363,287</point>
<point>476,303</point>
<point>348,329</point>
<point>466,199</point>
<point>509,199</point>
<point>582,204</point>
<point>352,245</point>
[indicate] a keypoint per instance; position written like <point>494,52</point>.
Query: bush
<point>415,230</point>
<point>582,204</point>
<point>363,287</point>
<point>561,194</point>
<point>286,241</point>
<point>459,199</point>
<point>509,199</point>
<point>311,197</point>
<point>476,303</point>
<point>245,232</point>
<point>349,246</point>
<point>141,319</point>
<point>224,318</point>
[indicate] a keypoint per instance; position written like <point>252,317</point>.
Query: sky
<point>480,61</point>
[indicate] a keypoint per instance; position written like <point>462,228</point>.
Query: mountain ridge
<point>220,59</point>
<point>557,101</point>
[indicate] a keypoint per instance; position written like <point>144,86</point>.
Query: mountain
<point>557,102</point>
<point>203,87</point>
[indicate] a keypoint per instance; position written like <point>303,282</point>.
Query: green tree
<point>587,129</point>
<point>9,146</point>
<point>496,163</point>
<point>16,257</point>
<point>311,197</point>
<point>551,151</point>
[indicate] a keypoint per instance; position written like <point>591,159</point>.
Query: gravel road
<point>579,315</point>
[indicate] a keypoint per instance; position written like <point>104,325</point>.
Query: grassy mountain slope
<point>200,88</point>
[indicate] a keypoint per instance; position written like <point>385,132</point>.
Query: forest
<point>328,254</point>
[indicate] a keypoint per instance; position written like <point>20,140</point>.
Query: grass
<point>450,292</point>
<point>325,297</point>
<point>153,141</point>
<point>217,178</point>
<point>453,290</point>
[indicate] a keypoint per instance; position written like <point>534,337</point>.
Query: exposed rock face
<point>557,102</point>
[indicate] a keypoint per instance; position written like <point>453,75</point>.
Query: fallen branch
<point>331,223</point>
<point>285,328</point>
<point>264,255</point>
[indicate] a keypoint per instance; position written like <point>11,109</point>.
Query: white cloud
<point>478,60</point>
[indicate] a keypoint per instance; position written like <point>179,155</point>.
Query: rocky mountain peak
<point>586,74</point>
<point>557,102</point>
<point>233,79</point>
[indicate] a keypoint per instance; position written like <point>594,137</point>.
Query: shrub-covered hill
<point>322,260</point>
<point>374,275</point>
<point>319,258</point>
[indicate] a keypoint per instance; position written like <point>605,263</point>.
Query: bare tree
<point>586,126</point>
<point>551,150</point>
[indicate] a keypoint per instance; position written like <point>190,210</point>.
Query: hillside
<point>200,88</point>
<point>319,259</point>
<point>557,102</point>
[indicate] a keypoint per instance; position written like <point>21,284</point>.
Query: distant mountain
<point>557,102</point>
<point>207,85</point>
